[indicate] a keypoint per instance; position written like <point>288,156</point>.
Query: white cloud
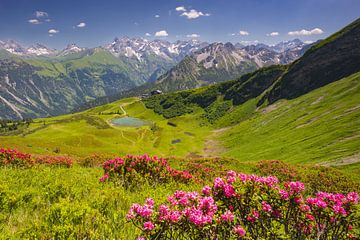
<point>192,14</point>
<point>40,14</point>
<point>232,34</point>
<point>308,42</point>
<point>317,31</point>
<point>147,34</point>
<point>48,20</point>
<point>304,32</point>
<point>34,21</point>
<point>157,16</point>
<point>243,33</point>
<point>161,33</point>
<point>53,31</point>
<point>194,35</point>
<point>273,34</point>
<point>81,25</point>
<point>180,9</point>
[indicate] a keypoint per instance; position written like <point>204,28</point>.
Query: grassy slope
<point>84,133</point>
<point>320,126</point>
<point>52,67</point>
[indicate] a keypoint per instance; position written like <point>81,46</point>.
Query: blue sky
<point>93,23</point>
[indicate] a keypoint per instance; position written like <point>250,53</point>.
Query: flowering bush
<point>249,207</point>
<point>94,160</point>
<point>283,171</point>
<point>205,168</point>
<point>316,178</point>
<point>327,179</point>
<point>63,161</point>
<point>12,157</point>
<point>130,169</point>
<point>15,158</point>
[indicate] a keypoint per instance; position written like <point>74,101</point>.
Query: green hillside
<point>90,132</point>
<point>329,60</point>
<point>50,86</point>
<point>322,126</point>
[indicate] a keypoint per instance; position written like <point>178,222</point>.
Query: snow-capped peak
<point>140,48</point>
<point>71,48</point>
<point>12,47</point>
<point>39,50</point>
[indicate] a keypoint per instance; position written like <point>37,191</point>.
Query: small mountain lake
<point>128,122</point>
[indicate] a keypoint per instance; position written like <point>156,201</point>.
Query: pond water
<point>128,122</point>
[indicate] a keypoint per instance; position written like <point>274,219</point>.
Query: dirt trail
<point>122,109</point>
<point>345,161</point>
<point>213,147</point>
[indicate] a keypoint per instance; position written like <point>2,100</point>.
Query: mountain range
<point>325,62</point>
<point>38,81</point>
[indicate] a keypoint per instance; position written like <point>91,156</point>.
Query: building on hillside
<point>156,92</point>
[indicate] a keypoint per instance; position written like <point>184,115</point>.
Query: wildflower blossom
<point>239,231</point>
<point>148,226</point>
<point>228,216</point>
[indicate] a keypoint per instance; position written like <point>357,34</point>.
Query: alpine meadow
<point>200,120</point>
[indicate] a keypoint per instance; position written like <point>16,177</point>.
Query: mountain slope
<point>321,126</point>
<point>322,116</point>
<point>336,57</point>
<point>276,82</point>
<point>33,87</point>
<point>214,63</point>
<point>38,81</point>
<point>219,62</point>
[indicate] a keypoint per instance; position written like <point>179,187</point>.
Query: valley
<point>92,132</point>
<point>307,127</point>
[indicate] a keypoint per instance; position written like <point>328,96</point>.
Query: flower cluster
<point>250,207</point>
<point>13,157</point>
<point>130,169</point>
<point>63,161</point>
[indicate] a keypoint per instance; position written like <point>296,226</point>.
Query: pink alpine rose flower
<point>239,231</point>
<point>148,226</point>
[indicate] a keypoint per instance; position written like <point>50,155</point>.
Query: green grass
<point>61,203</point>
<point>89,132</point>
<point>321,126</point>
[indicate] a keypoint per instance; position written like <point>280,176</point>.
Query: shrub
<point>128,171</point>
<point>93,160</point>
<point>283,171</point>
<point>12,157</point>
<point>316,178</point>
<point>206,168</point>
<point>61,161</point>
<point>321,178</point>
<point>241,206</point>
